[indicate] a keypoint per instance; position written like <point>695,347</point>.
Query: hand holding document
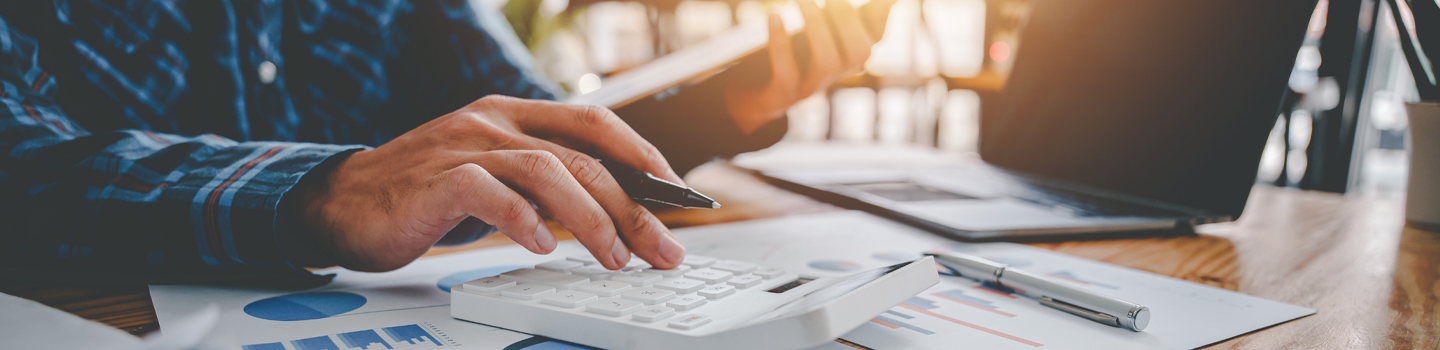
<point>860,27</point>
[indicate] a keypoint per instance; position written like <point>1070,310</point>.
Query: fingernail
<point>671,250</point>
<point>544,239</point>
<point>621,254</point>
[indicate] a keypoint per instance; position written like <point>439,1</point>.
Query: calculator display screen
<point>817,298</point>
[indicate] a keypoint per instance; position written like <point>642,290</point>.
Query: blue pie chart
<point>304,306</point>
<point>834,265</point>
<point>457,278</point>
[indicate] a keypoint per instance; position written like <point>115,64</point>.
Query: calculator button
<point>717,291</point>
<point>487,285</point>
<point>549,278</point>
<point>635,265</point>
<point>527,291</point>
<point>570,299</point>
<point>561,266</point>
<point>689,322</point>
<point>768,272</point>
<point>595,272</point>
<point>709,275</point>
<point>745,281</point>
<point>681,285</point>
<point>638,278</point>
<point>686,302</point>
<point>653,313</point>
<point>647,295</point>
<point>614,307</point>
<point>605,288</point>
<point>697,261</point>
<point>584,258</point>
<point>733,266</point>
<point>675,272</point>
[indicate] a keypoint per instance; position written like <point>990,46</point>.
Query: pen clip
<point>1076,310</point>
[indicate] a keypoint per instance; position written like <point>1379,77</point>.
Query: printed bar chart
<point>406,337</point>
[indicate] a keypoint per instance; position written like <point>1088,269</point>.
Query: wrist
<point>302,211</point>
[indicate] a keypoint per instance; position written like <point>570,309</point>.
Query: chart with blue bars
<point>405,337</point>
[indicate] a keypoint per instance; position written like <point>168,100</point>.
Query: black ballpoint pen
<point>642,186</point>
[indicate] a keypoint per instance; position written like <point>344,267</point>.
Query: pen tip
<point>714,205</point>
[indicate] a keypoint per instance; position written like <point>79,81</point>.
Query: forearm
<point>151,208</point>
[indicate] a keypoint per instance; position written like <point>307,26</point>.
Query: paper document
<point>27,324</point>
<point>407,308</point>
<point>961,314</point>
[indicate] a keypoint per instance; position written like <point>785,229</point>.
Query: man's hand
<point>840,38</point>
<point>381,209</point>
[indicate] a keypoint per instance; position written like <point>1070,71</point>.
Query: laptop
<point>1118,117</point>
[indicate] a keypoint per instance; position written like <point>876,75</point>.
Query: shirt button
<point>266,70</point>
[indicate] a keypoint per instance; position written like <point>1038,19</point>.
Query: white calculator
<point>706,303</point>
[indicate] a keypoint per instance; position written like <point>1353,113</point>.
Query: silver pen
<point>1079,302</point>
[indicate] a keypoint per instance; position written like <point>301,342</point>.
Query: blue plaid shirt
<point>154,141</point>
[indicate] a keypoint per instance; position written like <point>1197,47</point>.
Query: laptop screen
<point>1169,100</point>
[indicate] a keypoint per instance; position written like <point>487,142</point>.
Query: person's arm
<point>133,206</point>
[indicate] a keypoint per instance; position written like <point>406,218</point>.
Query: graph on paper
<point>939,307</point>
<point>406,337</point>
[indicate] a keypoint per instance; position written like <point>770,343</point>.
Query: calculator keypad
<point>638,278</point>
<point>686,302</point>
<point>549,278</point>
<point>681,285</point>
<point>745,281</point>
<point>605,288</point>
<point>709,275</point>
<point>561,266</point>
<point>689,322</point>
<point>614,307</point>
<point>653,313</point>
<point>527,291</point>
<point>645,294</point>
<point>570,299</point>
<point>717,291</point>
<point>733,266</point>
<point>488,285</point>
<point>649,296</point>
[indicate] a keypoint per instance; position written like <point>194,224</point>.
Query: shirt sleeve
<point>138,206</point>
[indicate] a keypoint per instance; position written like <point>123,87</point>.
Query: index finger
<point>593,126</point>
<point>854,39</point>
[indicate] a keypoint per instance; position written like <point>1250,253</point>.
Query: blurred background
<point>929,79</point>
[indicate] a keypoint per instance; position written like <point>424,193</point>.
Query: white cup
<point>1422,199</point>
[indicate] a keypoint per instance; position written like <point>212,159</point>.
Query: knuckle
<point>515,212</point>
<point>640,221</point>
<point>541,166</point>
<point>464,178</point>
<point>471,123</point>
<point>594,116</point>
<point>595,221</point>
<point>492,100</point>
<point>586,170</point>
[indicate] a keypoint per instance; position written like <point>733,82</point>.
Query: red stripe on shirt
<point>33,114</point>
<point>156,138</point>
<point>212,220</point>
<point>39,81</point>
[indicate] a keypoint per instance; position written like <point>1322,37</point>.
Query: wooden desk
<point>1373,279</point>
